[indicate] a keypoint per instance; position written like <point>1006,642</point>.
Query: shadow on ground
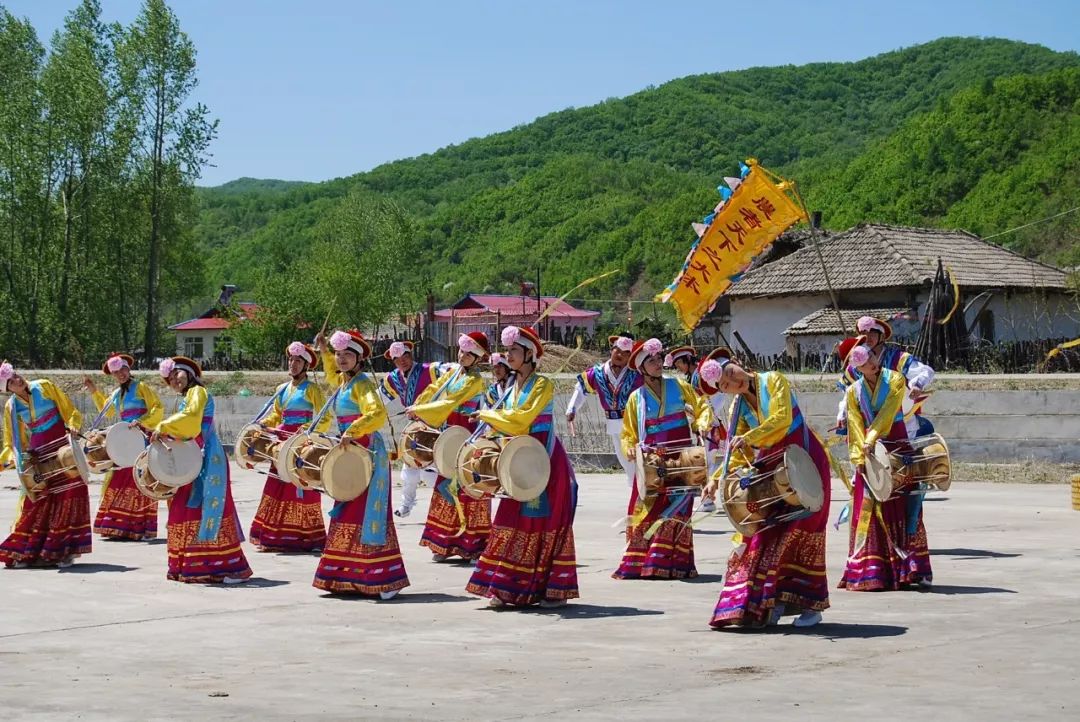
<point>971,553</point>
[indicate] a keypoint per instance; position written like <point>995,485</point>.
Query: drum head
<point>97,456</point>
<point>175,463</point>
<point>346,471</point>
<point>448,447</point>
<point>81,464</point>
<point>285,463</point>
<point>417,444</point>
<point>639,473</point>
<point>524,468</point>
<point>144,480</point>
<point>735,503</point>
<point>879,477</point>
<point>124,444</point>
<point>803,477</point>
<point>31,486</point>
<point>244,450</point>
<point>477,488</point>
<point>936,463</point>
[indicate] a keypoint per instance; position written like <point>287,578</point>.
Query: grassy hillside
<point>578,190</point>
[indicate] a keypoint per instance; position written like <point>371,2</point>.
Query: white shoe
<point>233,580</point>
<point>20,565</point>
<point>552,603</point>
<point>707,505</point>
<point>438,557</point>
<point>65,562</point>
<point>403,511</point>
<point>925,583</point>
<point>496,603</point>
<point>807,619</point>
<point>386,596</point>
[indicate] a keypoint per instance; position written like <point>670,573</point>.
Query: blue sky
<point>316,89</point>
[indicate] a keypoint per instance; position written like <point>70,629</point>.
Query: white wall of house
<point>761,321</point>
<point>1018,316</point>
<point>198,345</point>
<point>1034,316</point>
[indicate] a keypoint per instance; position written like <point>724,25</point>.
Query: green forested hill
<point>986,159</point>
<point>617,184</point>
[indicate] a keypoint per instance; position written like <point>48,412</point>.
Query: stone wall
<point>996,426</point>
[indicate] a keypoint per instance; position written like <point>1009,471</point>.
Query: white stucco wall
<point>1030,316</point>
<point>761,321</point>
<point>1022,316</point>
<point>208,337</point>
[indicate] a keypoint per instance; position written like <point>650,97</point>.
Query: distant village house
<point>784,305</point>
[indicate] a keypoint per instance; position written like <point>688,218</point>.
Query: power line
<point>1041,220</point>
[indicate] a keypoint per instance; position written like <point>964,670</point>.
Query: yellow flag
<point>758,211</point>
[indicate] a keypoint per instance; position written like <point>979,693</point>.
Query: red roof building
<point>206,336</point>
<point>490,312</point>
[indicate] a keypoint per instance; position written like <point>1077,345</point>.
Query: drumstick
<point>325,323</point>
<point>732,421</point>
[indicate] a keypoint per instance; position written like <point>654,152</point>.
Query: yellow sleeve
<point>71,416</point>
<point>699,408</point>
<point>154,410</point>
<point>774,426</point>
<point>7,441</point>
<point>372,411</point>
<point>317,400</point>
<point>515,422</point>
<point>388,388</point>
<point>629,436</point>
<point>272,417</point>
<point>186,424</point>
<point>745,455</point>
<point>435,413</point>
<point>100,400</point>
<point>856,427</point>
<point>329,363</point>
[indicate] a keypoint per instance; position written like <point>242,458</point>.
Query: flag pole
<point>821,258</point>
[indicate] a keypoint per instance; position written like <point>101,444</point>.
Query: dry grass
<point>1026,472</point>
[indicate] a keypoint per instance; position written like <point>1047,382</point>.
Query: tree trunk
<point>150,340</point>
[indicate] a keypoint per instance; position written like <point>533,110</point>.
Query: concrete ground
<point>997,638</point>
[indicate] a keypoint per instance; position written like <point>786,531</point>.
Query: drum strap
<point>868,508</point>
<point>373,532</point>
<point>914,511</point>
<point>16,435</point>
<point>209,488</point>
<point>449,488</point>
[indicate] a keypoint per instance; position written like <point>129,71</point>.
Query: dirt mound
<point>560,359</point>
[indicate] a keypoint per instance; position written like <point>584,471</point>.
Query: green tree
<point>157,62</point>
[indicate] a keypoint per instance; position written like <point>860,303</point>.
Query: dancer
<point>54,529</point>
<point>124,512</point>
<point>405,383</point>
<point>612,382</point>
<point>887,546</point>
<point>290,519</point>
<point>530,556</point>
<point>457,524</point>
<point>203,528</point>
<point>780,570</point>
<point>361,555</point>
<point>662,415</point>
